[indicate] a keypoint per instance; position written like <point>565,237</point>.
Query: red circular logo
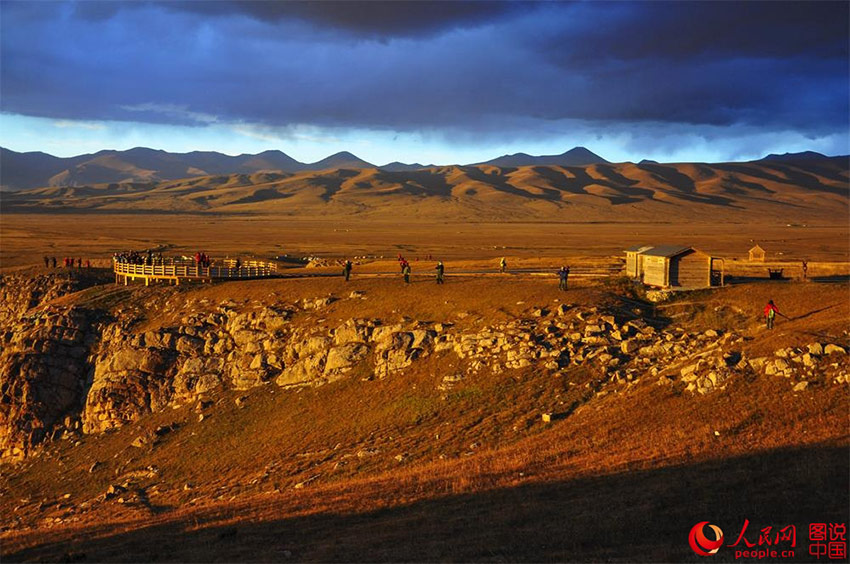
<point>700,543</point>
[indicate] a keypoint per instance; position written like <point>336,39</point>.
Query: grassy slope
<point>600,192</point>
<point>480,477</point>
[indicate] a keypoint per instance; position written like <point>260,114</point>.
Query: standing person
<point>88,263</point>
<point>346,270</point>
<point>562,278</point>
<point>405,271</point>
<point>46,262</point>
<point>79,262</point>
<point>805,271</point>
<point>53,261</point>
<point>770,313</point>
<point>503,265</point>
<point>440,271</point>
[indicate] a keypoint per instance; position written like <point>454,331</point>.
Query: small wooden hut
<point>757,254</point>
<point>634,260</point>
<point>671,266</point>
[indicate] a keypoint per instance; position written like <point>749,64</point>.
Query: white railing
<point>247,269</point>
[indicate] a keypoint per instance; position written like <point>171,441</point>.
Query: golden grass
<point>27,237</point>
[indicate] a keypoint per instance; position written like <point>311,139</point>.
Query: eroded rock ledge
<point>67,370</point>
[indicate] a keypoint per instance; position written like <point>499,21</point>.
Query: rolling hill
<point>788,192</point>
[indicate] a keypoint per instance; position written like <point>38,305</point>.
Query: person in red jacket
<point>770,313</point>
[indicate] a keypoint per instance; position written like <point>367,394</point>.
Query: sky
<point>427,82</point>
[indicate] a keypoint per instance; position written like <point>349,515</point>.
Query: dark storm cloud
<point>469,68</point>
<point>375,18</point>
<point>685,30</point>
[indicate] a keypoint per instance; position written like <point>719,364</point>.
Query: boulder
<point>310,346</point>
<point>687,372</point>
<point>424,337</point>
<point>305,372</point>
<point>256,362</point>
<point>343,358</point>
<point>783,353</point>
<point>757,363</point>
<point>628,347</point>
<point>189,345</point>
<point>350,332</point>
<point>815,349</point>
<point>383,333</point>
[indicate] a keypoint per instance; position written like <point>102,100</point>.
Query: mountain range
<point>36,169</point>
<point>19,171</point>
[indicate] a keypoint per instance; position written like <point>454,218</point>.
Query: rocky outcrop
<point>68,370</point>
<point>21,292</point>
<point>135,374</point>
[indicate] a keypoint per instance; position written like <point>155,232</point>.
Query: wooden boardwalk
<point>175,271</point>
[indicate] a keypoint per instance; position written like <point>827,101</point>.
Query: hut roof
<point>638,248</point>
<point>666,251</point>
<point>757,248</point>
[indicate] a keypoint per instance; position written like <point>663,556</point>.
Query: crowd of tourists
<point>203,260</point>
<point>67,262</point>
<point>147,258</point>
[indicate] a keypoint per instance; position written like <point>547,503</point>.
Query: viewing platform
<point>175,270</point>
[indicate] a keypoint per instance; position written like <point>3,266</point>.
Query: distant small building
<point>757,254</point>
<point>634,260</point>
<point>670,266</point>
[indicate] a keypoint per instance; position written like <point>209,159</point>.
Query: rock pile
<point>824,362</point>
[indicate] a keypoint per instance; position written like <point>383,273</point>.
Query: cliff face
<point>44,374</point>
<point>70,369</point>
<point>71,366</point>
<point>20,293</point>
<point>44,364</point>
